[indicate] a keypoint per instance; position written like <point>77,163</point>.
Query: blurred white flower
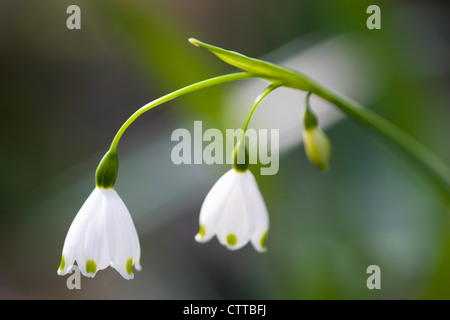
<point>102,234</point>
<point>235,211</point>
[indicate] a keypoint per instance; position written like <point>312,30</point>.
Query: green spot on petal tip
<point>63,263</point>
<point>231,239</point>
<point>91,266</point>
<point>202,231</point>
<point>129,266</point>
<point>263,240</point>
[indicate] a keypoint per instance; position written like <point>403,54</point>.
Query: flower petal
<point>76,233</point>
<point>259,209</point>
<point>213,206</point>
<point>94,246</point>
<point>122,238</point>
<point>237,221</point>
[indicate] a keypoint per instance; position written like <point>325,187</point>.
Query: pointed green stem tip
<point>193,41</point>
<point>269,71</point>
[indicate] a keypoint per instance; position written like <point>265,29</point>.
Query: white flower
<point>102,234</point>
<point>234,210</point>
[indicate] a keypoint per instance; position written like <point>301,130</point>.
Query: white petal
<point>237,222</point>
<point>92,251</point>
<point>213,206</point>
<point>77,232</point>
<point>259,210</point>
<point>122,238</point>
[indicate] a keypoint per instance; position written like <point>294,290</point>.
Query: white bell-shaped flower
<point>102,234</point>
<point>235,211</point>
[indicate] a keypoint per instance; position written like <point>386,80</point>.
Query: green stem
<point>309,118</point>
<point>258,99</point>
<point>175,94</point>
<point>240,156</point>
<point>434,166</point>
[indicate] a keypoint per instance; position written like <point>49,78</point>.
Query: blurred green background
<point>64,94</point>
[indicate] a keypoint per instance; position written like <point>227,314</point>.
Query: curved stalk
<point>438,170</point>
<point>175,94</point>
<point>434,166</point>
<point>258,99</point>
<point>240,156</point>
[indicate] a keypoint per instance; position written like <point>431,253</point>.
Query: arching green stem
<point>175,94</point>
<point>240,157</point>
<point>437,169</point>
<point>258,100</point>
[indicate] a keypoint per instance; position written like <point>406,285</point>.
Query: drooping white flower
<point>235,211</point>
<point>102,234</point>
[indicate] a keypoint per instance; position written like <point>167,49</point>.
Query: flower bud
<point>317,147</point>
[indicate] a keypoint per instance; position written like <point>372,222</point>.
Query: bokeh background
<point>64,94</point>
